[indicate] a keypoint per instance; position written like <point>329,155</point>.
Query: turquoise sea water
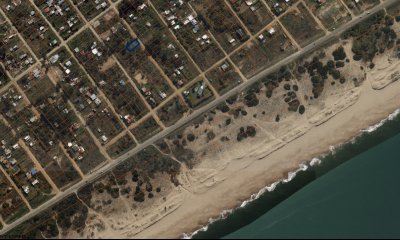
<point>355,192</point>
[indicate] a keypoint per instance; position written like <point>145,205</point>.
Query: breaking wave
<point>291,175</point>
<point>380,124</point>
<point>224,214</point>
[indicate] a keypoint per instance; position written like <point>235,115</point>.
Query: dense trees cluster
<point>339,54</point>
<point>69,214</point>
<point>372,36</point>
<point>250,131</point>
<point>210,135</point>
<point>223,108</point>
<point>319,72</point>
<point>272,81</point>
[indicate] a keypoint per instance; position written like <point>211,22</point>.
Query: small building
<point>225,66</point>
<point>33,171</point>
<point>34,182</point>
<point>231,40</point>
<point>104,138</point>
<point>271,31</point>
<point>25,189</point>
<point>13,161</point>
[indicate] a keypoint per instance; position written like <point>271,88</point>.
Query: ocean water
<point>354,192</point>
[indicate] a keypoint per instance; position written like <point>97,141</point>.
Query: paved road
<point>187,120</point>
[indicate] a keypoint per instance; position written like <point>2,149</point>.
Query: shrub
<point>190,137</point>
<point>302,109</point>
<point>339,54</point>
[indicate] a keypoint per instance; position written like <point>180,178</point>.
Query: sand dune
<point>265,163</point>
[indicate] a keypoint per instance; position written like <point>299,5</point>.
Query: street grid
<point>152,112</point>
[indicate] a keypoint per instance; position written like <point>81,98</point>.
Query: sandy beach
<point>219,167</point>
<point>219,170</point>
<point>234,187</point>
<point>222,156</point>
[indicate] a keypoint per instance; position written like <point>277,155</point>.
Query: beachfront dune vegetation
<point>372,36</point>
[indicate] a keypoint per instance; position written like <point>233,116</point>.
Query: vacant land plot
<point>122,95</point>
<point>394,10</point>
<point>190,31</point>
<point>302,25</point>
<point>3,77</point>
<point>80,146</point>
<point>121,146</point>
<point>225,27</point>
<point>332,13</point>
<point>11,103</point>
<point>159,42</point>
<point>61,15</point>
<point>64,70</point>
<point>16,57</point>
<point>280,6</point>
<point>57,123</point>
<point>271,46</point>
<point>91,53</point>
<point>59,167</point>
<point>152,85</point>
<point>172,111</point>
<point>11,205</point>
<point>70,213</point>
<point>104,124</point>
<point>23,171</point>
<point>90,9</point>
<point>31,25</point>
<point>144,166</point>
<point>275,43</point>
<point>84,146</point>
<point>37,86</point>
<point>18,120</point>
<point>107,74</point>
<point>148,128</point>
<point>360,6</point>
<point>254,14</point>
<point>45,136</point>
<point>198,94</point>
<point>224,77</point>
<point>250,59</point>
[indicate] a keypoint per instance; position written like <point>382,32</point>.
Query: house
<point>261,37</point>
<point>200,91</point>
<point>239,33</point>
<point>231,40</point>
<point>104,138</point>
<point>271,31</point>
<point>26,189</point>
<point>34,182</point>
<point>27,138</point>
<point>225,66</point>
<point>13,161</point>
<point>251,2</point>
<point>33,171</point>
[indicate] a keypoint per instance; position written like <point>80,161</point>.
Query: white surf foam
<point>315,161</point>
<point>291,175</point>
<point>225,213</point>
<point>380,124</point>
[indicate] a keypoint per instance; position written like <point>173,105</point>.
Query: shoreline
<point>316,161</point>
<point>368,110</point>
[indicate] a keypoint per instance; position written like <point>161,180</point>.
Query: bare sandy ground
<point>225,173</point>
<point>236,181</point>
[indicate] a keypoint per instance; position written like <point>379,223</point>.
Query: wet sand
<point>248,176</point>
